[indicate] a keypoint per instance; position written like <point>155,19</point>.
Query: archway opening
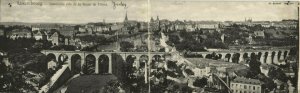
<point>51,57</point>
<point>200,56</point>
<point>279,55</point>
<point>208,56</point>
<point>156,59</point>
<point>266,56</point>
<point>103,65</point>
<point>235,57</point>
<point>219,56</point>
<point>253,56</point>
<point>273,56</point>
<point>246,57</point>
<point>285,54</point>
<point>129,65</point>
<point>227,57</point>
<point>62,58</point>
<point>75,64</point>
<point>143,61</point>
<point>260,56</point>
<point>90,64</point>
<point>51,62</point>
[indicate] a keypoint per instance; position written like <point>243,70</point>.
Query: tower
<point>126,18</point>
<point>151,20</point>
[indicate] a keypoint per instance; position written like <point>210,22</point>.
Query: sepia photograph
<point>149,46</point>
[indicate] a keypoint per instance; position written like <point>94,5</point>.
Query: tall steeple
<point>126,18</point>
<point>151,20</point>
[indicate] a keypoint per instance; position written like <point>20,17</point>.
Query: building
<point>190,27</point>
<point>259,34</point>
<point>40,35</point>
<point>201,72</point>
<point>68,31</point>
<point>45,27</point>
<point>52,65</point>
<point>246,85</point>
<point>102,28</point>
<point>19,33</point>
<point>179,25</point>
<point>116,26</point>
<point>2,32</point>
<point>207,24</point>
<point>56,39</point>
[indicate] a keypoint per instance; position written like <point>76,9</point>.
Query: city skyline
<point>137,10</point>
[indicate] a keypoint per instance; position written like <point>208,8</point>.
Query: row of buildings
<point>58,36</point>
<point>235,79</point>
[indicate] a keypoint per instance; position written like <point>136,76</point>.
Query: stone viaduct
<point>104,61</point>
<point>264,56</point>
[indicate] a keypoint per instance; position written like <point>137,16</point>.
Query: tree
<point>254,65</point>
<point>189,71</point>
<point>126,46</point>
<point>200,82</point>
<point>112,86</point>
<point>174,39</point>
<point>277,73</point>
<point>29,61</point>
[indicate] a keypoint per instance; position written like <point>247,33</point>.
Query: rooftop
<point>247,81</point>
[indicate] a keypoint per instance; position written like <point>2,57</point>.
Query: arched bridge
<point>264,56</point>
<point>100,62</point>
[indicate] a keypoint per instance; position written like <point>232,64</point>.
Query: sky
<point>141,10</point>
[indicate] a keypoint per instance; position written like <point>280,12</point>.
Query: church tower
<point>126,18</point>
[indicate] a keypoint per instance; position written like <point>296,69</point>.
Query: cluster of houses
<point>278,24</point>
<point>63,34</point>
<point>57,34</point>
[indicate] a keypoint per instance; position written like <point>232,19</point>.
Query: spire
<point>151,20</point>
<point>157,18</point>
<point>126,18</point>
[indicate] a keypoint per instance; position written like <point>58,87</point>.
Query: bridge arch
<point>50,57</point>
<point>75,63</point>
<point>143,61</point>
<point>130,61</point>
<point>219,56</point>
<point>209,56</point>
<point>259,55</point>
<point>245,56</point>
<point>252,55</point>
<point>280,55</point>
<point>228,56</point>
<point>235,57</point>
<point>285,54</point>
<point>200,56</point>
<point>103,64</point>
<point>89,65</point>
<point>62,58</point>
<point>156,59</point>
<point>273,56</point>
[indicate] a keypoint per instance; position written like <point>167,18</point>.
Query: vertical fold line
<point>148,40</point>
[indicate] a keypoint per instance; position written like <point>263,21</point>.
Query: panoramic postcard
<point>148,46</point>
